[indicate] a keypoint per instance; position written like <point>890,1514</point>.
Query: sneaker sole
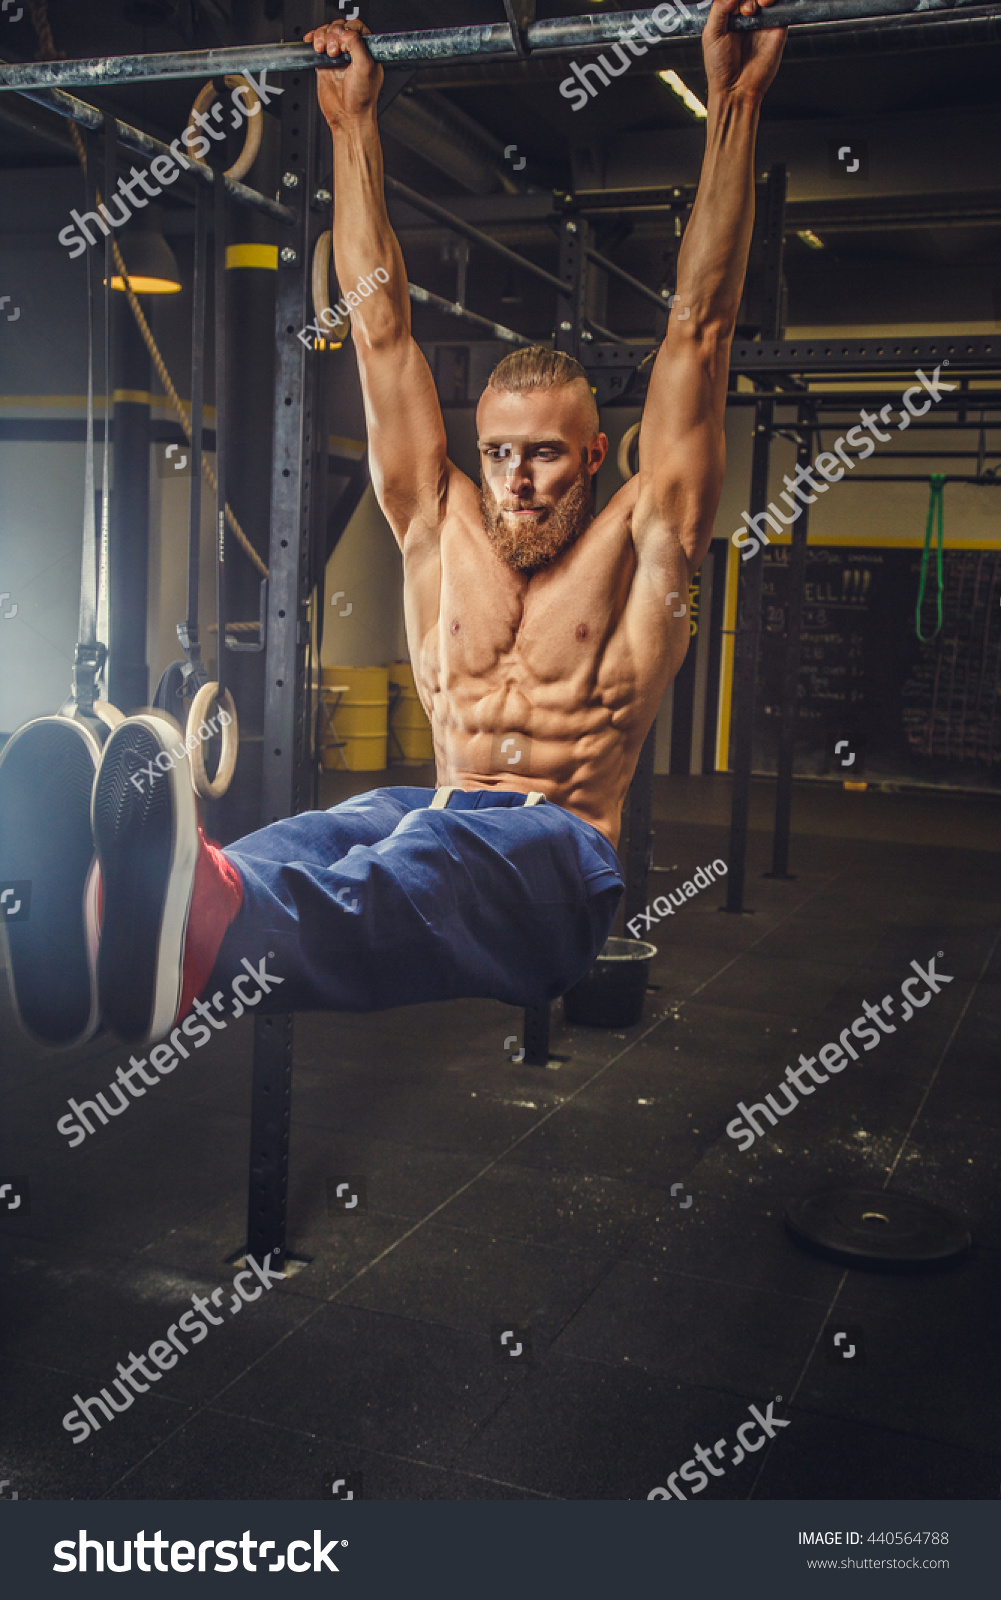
<point>47,771</point>
<point>147,844</point>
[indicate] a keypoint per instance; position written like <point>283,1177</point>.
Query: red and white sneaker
<point>168,894</point>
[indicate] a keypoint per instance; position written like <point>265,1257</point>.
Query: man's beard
<point>529,546</point>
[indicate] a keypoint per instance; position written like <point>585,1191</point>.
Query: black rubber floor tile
<point>335,1248</point>
<point>38,1455</point>
<point>405,1181</point>
<point>751,1339</point>
<point>383,1382</point>
<point>585,1431</point>
<point>579,1140</point>
<point>571,1212</point>
<point>220,1456</point>
<point>734,1235</point>
<point>794,989</point>
<point>916,1372</point>
<point>956,1164</point>
<point>471,1282</point>
<point>124,1185</point>
<point>131,1305</point>
<point>966,1086</point>
<point>832,1458</point>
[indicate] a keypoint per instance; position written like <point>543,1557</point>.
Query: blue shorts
<point>383,902</point>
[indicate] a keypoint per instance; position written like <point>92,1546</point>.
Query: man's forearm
<point>712,261</point>
<point>363,237</point>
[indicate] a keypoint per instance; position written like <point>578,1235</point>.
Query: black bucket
<point>611,995</point>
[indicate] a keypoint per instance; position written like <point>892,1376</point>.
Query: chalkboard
<point>896,708</point>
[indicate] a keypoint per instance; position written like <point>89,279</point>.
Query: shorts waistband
<point>475,799</point>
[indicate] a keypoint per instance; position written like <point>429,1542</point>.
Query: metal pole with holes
<point>751,575</point>
<point>795,597</point>
<point>286,774</point>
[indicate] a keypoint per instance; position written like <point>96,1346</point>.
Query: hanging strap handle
<point>90,655</point>
<point>935,499</point>
<point>219,188</point>
<point>193,673</point>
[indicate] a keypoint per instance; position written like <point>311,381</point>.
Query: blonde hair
<point>535,366</point>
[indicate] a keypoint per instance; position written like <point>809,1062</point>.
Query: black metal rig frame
<point>778,369</point>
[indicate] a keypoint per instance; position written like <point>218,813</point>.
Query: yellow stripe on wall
<point>252,255</point>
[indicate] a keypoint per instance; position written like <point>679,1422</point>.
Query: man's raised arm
<point>406,434</point>
<point>681,442</point>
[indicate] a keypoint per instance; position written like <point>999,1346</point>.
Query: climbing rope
<point>936,499</point>
<point>47,52</point>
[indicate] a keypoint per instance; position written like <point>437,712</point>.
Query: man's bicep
<point>682,450</point>
<point>677,498</point>
<point>406,434</point>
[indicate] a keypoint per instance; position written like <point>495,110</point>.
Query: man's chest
<point>495,624</point>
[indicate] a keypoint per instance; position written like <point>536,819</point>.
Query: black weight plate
<point>871,1227</point>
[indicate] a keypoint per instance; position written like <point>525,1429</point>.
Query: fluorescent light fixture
<point>809,237</point>
<point>690,101</point>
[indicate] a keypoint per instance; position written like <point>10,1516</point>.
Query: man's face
<point>537,458</point>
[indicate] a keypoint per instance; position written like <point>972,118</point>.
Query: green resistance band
<point>936,498</point>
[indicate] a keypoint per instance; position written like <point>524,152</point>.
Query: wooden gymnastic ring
<point>339,329</point>
<point>212,788</point>
<point>629,439</point>
<point>108,714</point>
<point>254,119</point>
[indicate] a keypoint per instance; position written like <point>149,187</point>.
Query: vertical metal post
<point>795,597</point>
<point>286,733</point>
<point>570,307</point>
<point>128,540</point>
<point>639,835</point>
<point>751,577</point>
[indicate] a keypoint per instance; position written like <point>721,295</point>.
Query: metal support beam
<point>770,221</point>
<point>443,46</point>
<point>431,208</point>
<point>795,597</point>
<point>451,308</point>
<point>639,835</point>
<point>67,105</point>
<point>286,778</point>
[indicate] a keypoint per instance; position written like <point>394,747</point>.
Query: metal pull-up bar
<point>489,41</point>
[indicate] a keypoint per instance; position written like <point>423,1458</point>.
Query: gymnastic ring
<point>204,786</point>
<point>252,143</point>
<point>628,452</point>
<point>341,326</point>
<point>108,714</point>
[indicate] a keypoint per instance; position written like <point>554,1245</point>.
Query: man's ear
<point>595,452</point>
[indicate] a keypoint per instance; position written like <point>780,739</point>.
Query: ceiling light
<point>691,101</point>
<point>809,237</point>
<point>149,261</point>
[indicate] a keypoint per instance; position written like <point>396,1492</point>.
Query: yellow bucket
<point>410,743</point>
<point>354,721</point>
